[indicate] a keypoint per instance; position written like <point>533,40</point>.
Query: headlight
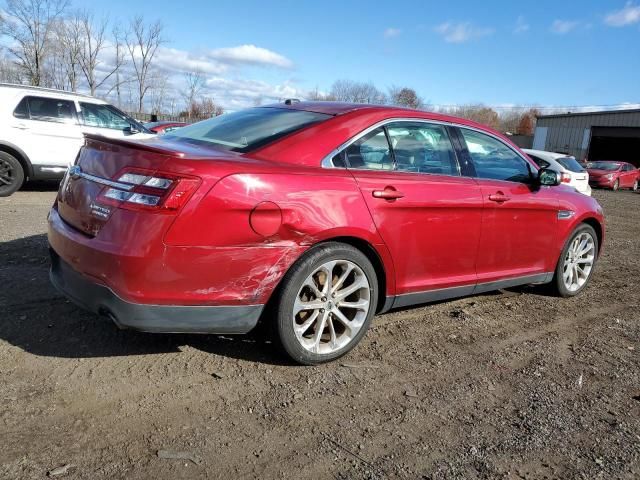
<point>609,176</point>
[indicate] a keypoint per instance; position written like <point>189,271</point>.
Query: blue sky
<point>498,53</point>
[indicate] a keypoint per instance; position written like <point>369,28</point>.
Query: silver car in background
<point>571,172</point>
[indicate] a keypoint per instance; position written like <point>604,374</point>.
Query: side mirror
<point>548,177</point>
<point>131,130</point>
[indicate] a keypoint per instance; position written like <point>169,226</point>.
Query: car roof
<point>48,92</point>
<point>544,154</point>
<point>386,111</point>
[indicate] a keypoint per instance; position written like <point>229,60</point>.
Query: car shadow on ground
<point>36,318</point>
<point>41,186</point>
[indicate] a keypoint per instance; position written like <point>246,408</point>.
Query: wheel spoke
<point>343,277</point>
<point>332,332</point>
<point>5,179</point>
<point>310,282</point>
<point>354,287</point>
<point>301,305</point>
<point>318,333</point>
<point>300,329</point>
<point>361,304</point>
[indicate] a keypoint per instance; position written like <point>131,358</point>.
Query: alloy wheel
<point>331,306</point>
<point>578,262</point>
<point>635,186</point>
<point>7,173</point>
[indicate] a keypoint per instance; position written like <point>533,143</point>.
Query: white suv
<point>571,172</point>
<point>41,131</point>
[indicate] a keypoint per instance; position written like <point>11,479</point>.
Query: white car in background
<point>41,131</point>
<point>571,172</point>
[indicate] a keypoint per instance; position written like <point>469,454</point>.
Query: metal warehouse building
<point>610,135</point>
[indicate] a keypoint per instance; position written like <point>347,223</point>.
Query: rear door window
<point>422,148</point>
<point>51,110</point>
<point>570,163</point>
<point>370,152</point>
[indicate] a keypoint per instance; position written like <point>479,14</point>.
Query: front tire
<point>11,174</point>
<point>635,186</point>
<point>325,303</point>
<point>576,262</point>
<point>616,185</point>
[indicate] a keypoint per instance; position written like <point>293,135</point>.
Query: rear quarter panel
<point>310,205</point>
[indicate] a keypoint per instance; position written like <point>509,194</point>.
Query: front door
<point>428,215</point>
<point>519,223</point>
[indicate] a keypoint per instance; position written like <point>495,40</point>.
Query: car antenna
<point>291,101</point>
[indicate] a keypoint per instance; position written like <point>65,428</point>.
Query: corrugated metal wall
<point>565,133</point>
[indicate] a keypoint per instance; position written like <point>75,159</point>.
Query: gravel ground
<point>511,385</point>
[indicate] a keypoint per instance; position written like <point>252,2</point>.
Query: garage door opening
<point>615,143</point>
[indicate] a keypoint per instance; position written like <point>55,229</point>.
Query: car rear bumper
<point>102,300</point>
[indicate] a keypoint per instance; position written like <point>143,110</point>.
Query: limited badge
<point>100,211</point>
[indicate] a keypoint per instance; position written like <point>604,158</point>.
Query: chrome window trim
<point>76,172</point>
<point>328,163</point>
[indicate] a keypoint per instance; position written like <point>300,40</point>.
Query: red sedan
<point>613,175</point>
<point>311,217</point>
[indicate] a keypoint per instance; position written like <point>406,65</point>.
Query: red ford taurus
<point>312,217</point>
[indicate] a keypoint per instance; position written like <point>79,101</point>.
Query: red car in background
<point>164,127</point>
<point>613,175</point>
<point>312,217</point>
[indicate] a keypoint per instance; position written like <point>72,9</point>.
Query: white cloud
<point>521,25</point>
<point>562,27</point>
<point>461,32</point>
<point>175,60</point>
<point>250,55</point>
<point>628,15</point>
<point>392,32</point>
<point>242,92</point>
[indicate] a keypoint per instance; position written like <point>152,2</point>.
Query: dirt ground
<point>514,384</point>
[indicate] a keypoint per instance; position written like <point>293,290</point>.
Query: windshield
<point>246,129</point>
<point>570,163</point>
<point>609,166</point>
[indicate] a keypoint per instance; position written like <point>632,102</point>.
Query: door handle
<point>21,126</point>
<point>499,197</point>
<point>389,193</point>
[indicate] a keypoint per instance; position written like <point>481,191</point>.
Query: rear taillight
<point>565,177</point>
<point>137,189</point>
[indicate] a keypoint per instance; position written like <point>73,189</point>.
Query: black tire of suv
<point>10,171</point>
<point>282,325</point>
<point>557,285</point>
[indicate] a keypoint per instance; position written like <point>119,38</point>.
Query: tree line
<point>49,44</point>
<point>514,120</point>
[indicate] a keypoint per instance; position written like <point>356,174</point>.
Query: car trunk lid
<point>108,171</point>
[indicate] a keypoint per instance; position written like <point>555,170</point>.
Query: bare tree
<point>405,97</point>
<point>142,42</point>
<point>94,42</point>
<point>195,82</point>
<point>318,96</point>
<point>158,91</point>
<point>29,23</point>
<point>9,72</point>
<point>68,44</point>
<point>357,92</point>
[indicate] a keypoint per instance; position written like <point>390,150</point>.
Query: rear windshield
<point>610,166</point>
<point>246,129</point>
<point>571,164</point>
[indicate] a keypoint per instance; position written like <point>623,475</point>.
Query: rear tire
<point>325,303</point>
<point>11,174</point>
<point>616,185</point>
<point>576,263</point>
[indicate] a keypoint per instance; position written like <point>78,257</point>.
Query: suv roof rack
<point>44,89</point>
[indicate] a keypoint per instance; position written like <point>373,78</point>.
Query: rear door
<point>519,222</point>
<point>428,215</point>
<point>629,175</point>
<point>51,132</point>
